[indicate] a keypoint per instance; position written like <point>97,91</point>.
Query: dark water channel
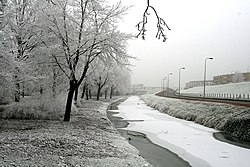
<point>154,154</point>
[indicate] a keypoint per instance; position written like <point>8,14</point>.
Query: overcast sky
<point>199,29</point>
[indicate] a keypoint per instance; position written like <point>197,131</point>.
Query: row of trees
<point>63,45</point>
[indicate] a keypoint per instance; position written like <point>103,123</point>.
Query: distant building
<point>246,76</point>
<point>139,89</point>
<point>192,84</point>
<point>229,78</point>
<point>152,90</point>
<point>223,79</point>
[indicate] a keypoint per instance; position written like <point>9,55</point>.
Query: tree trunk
<point>41,90</point>
<point>106,93</point>
<point>17,90</point>
<point>90,96</point>
<point>76,95</point>
<point>83,91</point>
<point>54,82</point>
<point>87,93</point>
<point>23,91</point>
<point>98,93</point>
<point>111,92</point>
<point>72,87</point>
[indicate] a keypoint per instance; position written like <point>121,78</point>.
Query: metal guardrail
<point>226,96</point>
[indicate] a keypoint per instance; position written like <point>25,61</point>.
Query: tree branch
<point>161,24</point>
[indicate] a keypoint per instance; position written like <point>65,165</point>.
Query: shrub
<point>44,108</point>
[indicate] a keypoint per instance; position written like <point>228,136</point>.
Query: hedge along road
<point>192,142</point>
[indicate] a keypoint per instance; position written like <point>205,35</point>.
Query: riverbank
<point>229,119</point>
<point>89,139</point>
<point>153,153</point>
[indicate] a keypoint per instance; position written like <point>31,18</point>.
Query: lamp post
<point>164,82</point>
<point>180,81</point>
<point>204,89</point>
<point>168,84</point>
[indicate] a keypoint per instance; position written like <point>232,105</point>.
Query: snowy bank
<point>231,88</point>
<point>230,119</point>
<point>89,139</point>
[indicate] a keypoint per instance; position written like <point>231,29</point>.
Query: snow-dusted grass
<point>44,108</point>
<point>233,120</point>
<point>231,88</point>
<point>89,139</point>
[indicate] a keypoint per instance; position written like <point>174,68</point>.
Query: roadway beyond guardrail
<point>209,98</point>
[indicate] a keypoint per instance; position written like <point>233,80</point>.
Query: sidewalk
<point>89,139</point>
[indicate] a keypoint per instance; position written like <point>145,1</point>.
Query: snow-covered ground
<point>231,88</point>
<point>192,142</point>
<point>89,139</point>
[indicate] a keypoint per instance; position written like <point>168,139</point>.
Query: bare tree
<point>141,26</point>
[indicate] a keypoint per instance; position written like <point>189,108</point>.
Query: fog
<point>199,29</point>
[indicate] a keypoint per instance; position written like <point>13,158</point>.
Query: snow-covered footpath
<point>191,141</point>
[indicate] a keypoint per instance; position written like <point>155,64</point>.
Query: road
<point>245,103</point>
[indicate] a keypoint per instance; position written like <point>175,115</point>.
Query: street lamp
<point>168,84</point>
<point>163,82</point>
<point>180,81</point>
<point>204,90</point>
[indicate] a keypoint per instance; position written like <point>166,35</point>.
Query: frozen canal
<point>192,142</point>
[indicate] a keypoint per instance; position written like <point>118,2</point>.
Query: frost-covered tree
<point>6,69</point>
<point>101,77</point>
<point>120,81</point>
<point>123,84</point>
<point>3,4</point>
<point>20,29</point>
<point>85,31</point>
<point>22,22</point>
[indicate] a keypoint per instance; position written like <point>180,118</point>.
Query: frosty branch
<point>161,24</point>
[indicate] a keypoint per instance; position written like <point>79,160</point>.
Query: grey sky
<point>200,29</point>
